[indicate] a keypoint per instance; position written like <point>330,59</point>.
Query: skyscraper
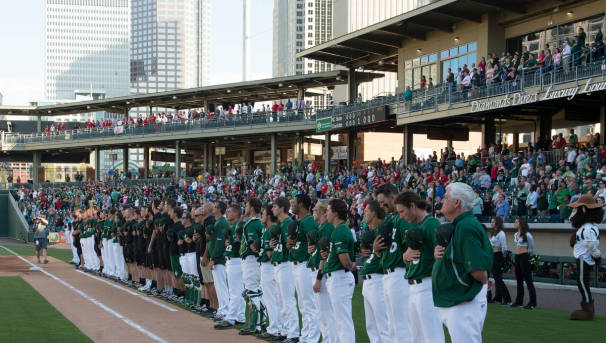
<point>298,25</point>
<point>169,45</point>
<point>353,15</point>
<point>86,48</point>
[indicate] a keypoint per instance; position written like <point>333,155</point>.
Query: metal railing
<point>267,119</point>
<point>429,99</point>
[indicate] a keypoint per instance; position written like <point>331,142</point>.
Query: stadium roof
<point>376,47</point>
<point>257,90</point>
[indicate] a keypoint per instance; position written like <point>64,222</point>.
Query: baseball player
<point>69,236</point>
<point>251,269</point>
<point>175,214</point>
<point>205,217</point>
<point>377,326</point>
<point>394,285</point>
<point>321,297</point>
<point>425,321</point>
<point>337,269</point>
<point>269,286</point>
<point>236,311</point>
<point>216,249</point>
<point>284,271</point>
<point>460,273</point>
<point>299,256</point>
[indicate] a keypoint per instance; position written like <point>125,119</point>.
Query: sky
<point>22,42</point>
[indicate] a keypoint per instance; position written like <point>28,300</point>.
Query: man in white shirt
<point>571,156</point>
<point>566,52</point>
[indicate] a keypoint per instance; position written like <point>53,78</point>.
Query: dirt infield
<point>113,314</point>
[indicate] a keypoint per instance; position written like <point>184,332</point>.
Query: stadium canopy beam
<point>433,22</point>
<point>404,30</point>
<point>364,45</point>
<point>389,39</point>
<point>512,6</point>
<point>458,14</point>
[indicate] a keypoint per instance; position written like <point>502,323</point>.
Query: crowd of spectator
<point>536,183</point>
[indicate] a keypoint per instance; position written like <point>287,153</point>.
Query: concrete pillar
<point>213,157</point>
<point>351,148</point>
<point>39,124</point>
<point>125,159</point>
<point>205,106</point>
<point>177,160</point>
<point>274,153</point>
<point>408,143</point>
<point>36,159</point>
<point>352,85</point>
<point>602,119</point>
<point>150,110</point>
<point>489,134</point>
<point>327,154</point>
<point>543,126</point>
<point>126,113</point>
<point>516,142</point>
<point>97,164</point>
<point>449,143</point>
<point>204,156</point>
<point>146,161</point>
<point>300,152</point>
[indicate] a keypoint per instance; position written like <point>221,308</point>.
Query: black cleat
<point>224,325</point>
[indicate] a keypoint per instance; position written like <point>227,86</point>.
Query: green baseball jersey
<point>392,256</point>
<point>217,254</point>
<point>341,242</point>
<point>232,250</point>
<point>469,249</point>
<point>265,238</point>
<point>325,230</point>
<point>416,270</point>
<point>252,230</point>
<point>299,253</point>
<point>372,264</point>
<point>107,228</point>
<point>280,253</point>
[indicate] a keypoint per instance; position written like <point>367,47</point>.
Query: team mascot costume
<point>585,241</point>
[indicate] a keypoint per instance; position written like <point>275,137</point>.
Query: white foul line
<point>140,296</point>
<point>94,301</point>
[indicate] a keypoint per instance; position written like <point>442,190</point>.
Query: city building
<point>299,25</point>
<point>86,48</point>
<point>170,45</point>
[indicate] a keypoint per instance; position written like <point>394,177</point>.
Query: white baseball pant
<point>324,309</point>
<point>220,280</point>
<point>425,323</point>
<point>466,320</point>
<point>236,310</point>
<point>271,296</point>
<point>190,262</point>
<point>377,325</point>
<point>340,285</point>
<point>184,265</point>
<point>310,332</point>
<point>396,291</point>
<point>120,262</point>
<point>288,306</point>
<point>251,273</point>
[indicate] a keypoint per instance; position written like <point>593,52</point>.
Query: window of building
<point>415,68</point>
<point>556,36</point>
<point>457,57</point>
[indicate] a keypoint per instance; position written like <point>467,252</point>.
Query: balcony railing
<point>259,119</point>
<point>427,100</point>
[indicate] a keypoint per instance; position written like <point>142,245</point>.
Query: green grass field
<point>27,317</point>
<point>63,255</point>
<point>503,324</point>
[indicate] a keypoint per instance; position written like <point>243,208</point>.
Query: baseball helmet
<point>444,234</point>
<point>312,237</point>
<point>293,229</point>
<point>324,243</point>
<point>257,244</point>
<point>226,233</point>
<point>414,238</point>
<point>385,229</point>
<point>275,232</point>
<point>367,238</point>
